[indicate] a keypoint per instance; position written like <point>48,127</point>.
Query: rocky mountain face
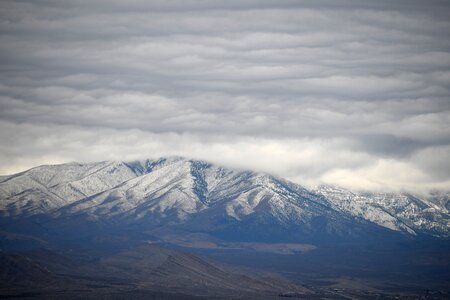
<point>176,194</point>
<point>399,212</point>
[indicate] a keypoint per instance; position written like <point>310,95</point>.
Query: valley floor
<point>168,271</point>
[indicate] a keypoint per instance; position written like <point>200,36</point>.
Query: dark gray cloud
<point>349,92</point>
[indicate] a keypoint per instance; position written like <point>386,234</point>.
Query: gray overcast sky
<point>354,93</point>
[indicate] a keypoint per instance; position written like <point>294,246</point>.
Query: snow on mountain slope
<point>181,191</point>
<point>401,212</point>
<point>167,189</point>
<point>43,188</point>
<point>174,187</point>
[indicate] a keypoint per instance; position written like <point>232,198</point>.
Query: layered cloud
<point>340,92</point>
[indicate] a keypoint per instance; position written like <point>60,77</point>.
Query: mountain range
<point>172,195</point>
